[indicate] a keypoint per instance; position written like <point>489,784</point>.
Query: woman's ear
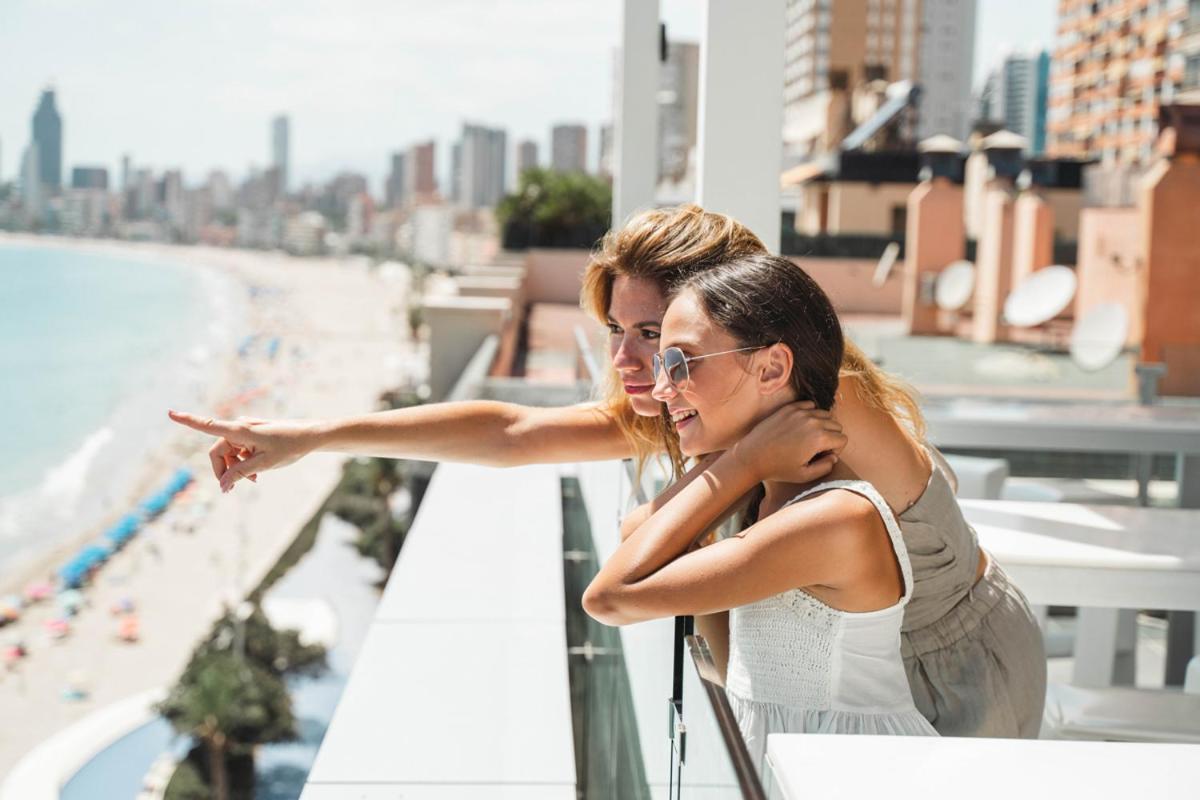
<point>775,369</point>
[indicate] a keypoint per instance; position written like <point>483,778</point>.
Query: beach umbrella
<point>128,628</point>
<point>72,574</point>
<point>180,480</point>
<point>94,554</point>
<point>58,628</point>
<point>10,608</point>
<point>38,591</point>
<point>123,606</point>
<point>154,504</point>
<point>70,600</point>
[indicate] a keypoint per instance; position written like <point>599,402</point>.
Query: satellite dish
<point>887,260</point>
<point>1041,297</point>
<point>955,285</point>
<point>1099,336</point>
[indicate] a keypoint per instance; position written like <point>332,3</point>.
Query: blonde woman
<point>972,650</point>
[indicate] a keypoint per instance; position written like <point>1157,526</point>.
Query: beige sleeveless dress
<point>973,652</point>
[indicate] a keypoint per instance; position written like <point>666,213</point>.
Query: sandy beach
<point>342,340</point>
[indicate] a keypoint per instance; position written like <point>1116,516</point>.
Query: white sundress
<point>797,665</point>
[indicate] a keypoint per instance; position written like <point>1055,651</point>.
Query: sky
<point>195,84</point>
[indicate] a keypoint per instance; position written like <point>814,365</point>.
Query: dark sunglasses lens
<point>676,365</point>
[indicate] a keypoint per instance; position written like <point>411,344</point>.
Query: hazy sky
<point>194,84</point>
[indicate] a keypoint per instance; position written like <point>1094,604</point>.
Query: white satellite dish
<point>887,260</point>
<point>1099,336</point>
<point>955,285</point>
<point>1041,297</point>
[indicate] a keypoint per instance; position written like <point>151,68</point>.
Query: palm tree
<point>229,705</point>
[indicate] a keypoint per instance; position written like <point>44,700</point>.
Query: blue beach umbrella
<point>180,480</point>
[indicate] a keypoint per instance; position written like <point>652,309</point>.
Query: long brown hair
<point>663,246</point>
<point>669,245</point>
<point>761,300</point>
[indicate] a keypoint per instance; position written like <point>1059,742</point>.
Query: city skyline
<point>348,81</point>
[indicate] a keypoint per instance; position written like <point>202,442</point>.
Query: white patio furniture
<point>933,768</point>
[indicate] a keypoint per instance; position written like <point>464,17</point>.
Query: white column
<point>635,172</point>
<point>740,140</point>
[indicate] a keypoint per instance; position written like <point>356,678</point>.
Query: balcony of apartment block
<point>481,676</point>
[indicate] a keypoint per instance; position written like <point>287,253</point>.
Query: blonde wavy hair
<point>667,246</point>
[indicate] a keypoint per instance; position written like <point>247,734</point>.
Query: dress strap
<point>885,512</point>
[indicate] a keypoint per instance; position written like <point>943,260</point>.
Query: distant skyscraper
<point>1015,95</point>
<point>455,171</point>
<point>606,150</point>
<point>833,48</point>
<point>394,188</point>
<point>126,172</point>
<point>678,93</point>
<point>31,182</point>
<point>946,60</point>
<point>568,148</point>
<point>527,156</point>
<point>421,177</point>
<point>47,133</point>
<point>481,163</point>
<point>89,178</point>
<point>1114,67</point>
<point>280,150</point>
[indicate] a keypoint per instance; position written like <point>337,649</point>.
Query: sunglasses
<point>675,364</point>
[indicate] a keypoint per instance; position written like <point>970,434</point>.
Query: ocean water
<point>93,348</point>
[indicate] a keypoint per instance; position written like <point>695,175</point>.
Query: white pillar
<point>636,125</point>
<point>740,139</point>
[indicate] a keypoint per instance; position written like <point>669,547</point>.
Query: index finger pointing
<point>207,425</point>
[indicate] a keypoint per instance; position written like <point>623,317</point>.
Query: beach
<point>318,337</point>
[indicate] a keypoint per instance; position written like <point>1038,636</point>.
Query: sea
<point>95,345</point>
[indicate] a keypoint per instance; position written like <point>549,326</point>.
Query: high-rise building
<point>47,133</point>
<point>678,98</point>
<point>831,50</point>
<point>568,148</point>
<point>393,192</point>
<point>220,190</point>
<point>89,178</point>
<point>1188,51</point>
<point>32,196</point>
<point>455,172</point>
<point>1112,69</point>
<point>607,141</point>
<point>413,177</point>
<point>527,156</point>
<point>1015,94</point>
<point>281,150</point>
<point>945,63</point>
<point>480,166</point>
<point>421,172</point>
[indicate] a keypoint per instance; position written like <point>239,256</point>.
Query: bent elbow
<point>602,605</point>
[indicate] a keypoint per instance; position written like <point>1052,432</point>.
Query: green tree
<point>279,652</point>
<point>363,502</point>
<point>229,704</point>
<point>556,208</point>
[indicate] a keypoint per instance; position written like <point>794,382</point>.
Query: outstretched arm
<point>481,432</point>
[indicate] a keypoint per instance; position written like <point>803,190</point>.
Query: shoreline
<point>339,333</point>
<point>157,460</point>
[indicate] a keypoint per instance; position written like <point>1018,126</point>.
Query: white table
<point>834,767</point>
<point>1097,557</point>
<point>1089,427</point>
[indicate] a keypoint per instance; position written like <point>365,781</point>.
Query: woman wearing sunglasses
<point>972,649</point>
<point>817,583</point>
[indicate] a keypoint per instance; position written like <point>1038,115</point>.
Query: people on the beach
<point>971,647</point>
